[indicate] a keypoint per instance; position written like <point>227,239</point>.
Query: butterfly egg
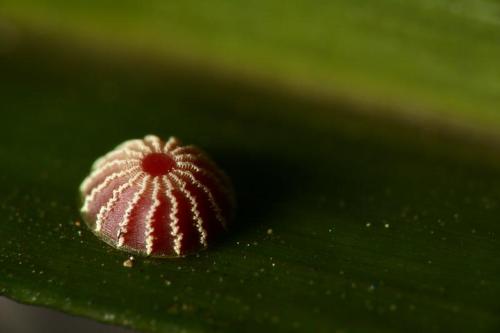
<point>157,198</point>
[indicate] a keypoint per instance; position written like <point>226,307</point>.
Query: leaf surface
<point>346,222</point>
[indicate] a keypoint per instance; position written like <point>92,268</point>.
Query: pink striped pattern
<point>157,198</point>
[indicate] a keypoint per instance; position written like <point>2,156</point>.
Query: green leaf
<point>346,222</point>
<point>430,59</point>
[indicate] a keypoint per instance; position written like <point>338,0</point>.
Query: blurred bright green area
<point>423,58</point>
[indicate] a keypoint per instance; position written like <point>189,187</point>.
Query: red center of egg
<point>157,164</point>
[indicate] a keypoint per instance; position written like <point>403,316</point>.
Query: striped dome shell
<point>155,198</point>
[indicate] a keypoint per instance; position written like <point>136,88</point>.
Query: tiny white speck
<point>386,225</point>
<point>129,263</point>
<point>368,224</point>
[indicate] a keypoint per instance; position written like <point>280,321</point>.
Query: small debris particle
<point>129,263</point>
<point>77,223</point>
<point>368,224</point>
<point>387,225</point>
<point>168,282</point>
<point>269,231</point>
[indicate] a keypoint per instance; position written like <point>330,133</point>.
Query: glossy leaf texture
<point>346,221</point>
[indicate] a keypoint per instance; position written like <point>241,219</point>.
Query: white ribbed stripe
<point>174,221</point>
<point>122,153</point>
<point>149,218</point>
<point>216,178</point>
<point>194,208</point>
<point>180,150</point>
<point>187,157</point>
<point>106,208</point>
<point>89,198</point>
<point>154,141</point>
<point>128,213</point>
<point>105,167</point>
<point>198,157</point>
<point>211,199</point>
<point>172,143</point>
